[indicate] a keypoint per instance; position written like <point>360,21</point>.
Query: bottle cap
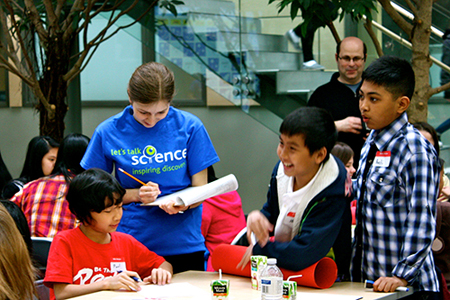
<point>272,261</point>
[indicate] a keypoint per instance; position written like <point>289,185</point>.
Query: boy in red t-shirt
<point>93,257</point>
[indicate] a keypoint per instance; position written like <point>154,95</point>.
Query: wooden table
<point>240,288</point>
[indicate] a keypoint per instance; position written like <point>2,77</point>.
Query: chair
<point>41,247</point>
<point>42,291</point>
<point>241,238</point>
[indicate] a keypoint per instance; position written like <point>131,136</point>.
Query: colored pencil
<point>128,174</point>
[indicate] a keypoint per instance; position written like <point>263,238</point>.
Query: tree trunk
<point>421,61</point>
<point>54,87</point>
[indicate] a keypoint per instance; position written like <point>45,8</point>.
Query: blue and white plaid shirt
<point>399,207</point>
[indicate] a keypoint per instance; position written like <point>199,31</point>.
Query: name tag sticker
<point>118,264</point>
<point>382,159</point>
<point>289,219</point>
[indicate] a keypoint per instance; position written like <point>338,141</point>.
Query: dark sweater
<point>326,224</point>
<point>341,102</point>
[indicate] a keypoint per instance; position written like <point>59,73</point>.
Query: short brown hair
<point>343,152</point>
<point>151,82</point>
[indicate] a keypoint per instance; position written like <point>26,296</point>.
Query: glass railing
<point>235,53</point>
<point>241,52</point>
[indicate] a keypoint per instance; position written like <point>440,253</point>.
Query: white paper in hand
<point>192,195</point>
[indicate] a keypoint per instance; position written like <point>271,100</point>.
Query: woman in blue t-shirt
<point>166,148</point>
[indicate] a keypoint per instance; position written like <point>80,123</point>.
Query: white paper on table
<point>173,290</point>
<point>191,195</point>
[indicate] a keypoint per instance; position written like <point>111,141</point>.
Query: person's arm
<point>120,281</point>
<point>161,275</point>
<point>318,234</point>
<point>388,284</point>
<point>421,178</point>
<point>198,179</point>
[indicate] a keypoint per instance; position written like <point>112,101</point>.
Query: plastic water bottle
<point>271,281</point>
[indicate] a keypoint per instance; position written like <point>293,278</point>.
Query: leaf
<point>295,6</point>
<point>172,9</point>
<point>306,4</point>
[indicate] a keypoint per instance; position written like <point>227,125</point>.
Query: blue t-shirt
<point>168,154</point>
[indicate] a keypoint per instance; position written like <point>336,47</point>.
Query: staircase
<point>248,68</point>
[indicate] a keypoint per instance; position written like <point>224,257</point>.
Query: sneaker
<point>312,65</point>
<point>293,39</point>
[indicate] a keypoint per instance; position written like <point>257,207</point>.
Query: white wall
<point>245,147</point>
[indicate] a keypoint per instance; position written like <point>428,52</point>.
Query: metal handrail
<point>406,43</point>
<point>410,16</point>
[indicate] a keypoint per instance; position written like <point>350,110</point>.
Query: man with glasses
<point>340,96</point>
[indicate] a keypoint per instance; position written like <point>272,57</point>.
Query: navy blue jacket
<point>326,223</point>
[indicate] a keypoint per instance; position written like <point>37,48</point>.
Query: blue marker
<point>137,279</point>
<point>368,284</point>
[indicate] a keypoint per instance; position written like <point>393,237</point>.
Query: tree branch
<point>439,89</point>
<point>11,68</point>
<point>334,31</point>
<point>411,7</point>
<point>66,25</point>
<point>11,49</point>
<point>90,15</point>
<point>396,17</point>
<point>373,36</point>
<point>78,66</point>
<point>52,19</point>
<point>35,18</point>
<point>60,4</point>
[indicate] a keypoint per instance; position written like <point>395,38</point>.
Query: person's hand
<point>388,284</point>
<point>123,280</point>
<point>159,276</point>
<point>349,124</point>
<point>445,194</point>
<point>246,258</point>
<point>148,193</point>
<point>170,208</point>
<point>258,224</point>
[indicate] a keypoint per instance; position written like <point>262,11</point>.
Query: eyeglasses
<point>356,59</point>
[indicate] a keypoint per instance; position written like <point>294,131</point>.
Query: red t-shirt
<point>75,259</point>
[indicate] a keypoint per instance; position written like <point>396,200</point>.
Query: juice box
<point>258,263</point>
<point>220,289</point>
<point>289,290</point>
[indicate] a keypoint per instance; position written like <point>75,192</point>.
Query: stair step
<point>292,82</point>
<point>264,62</point>
<point>230,41</point>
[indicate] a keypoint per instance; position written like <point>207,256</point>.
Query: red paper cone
<point>320,275</point>
<point>227,257</point>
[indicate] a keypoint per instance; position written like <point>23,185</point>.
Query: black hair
<point>393,73</point>
<point>5,176</point>
<point>338,49</point>
<point>70,153</point>
<point>21,222</point>
<point>93,190</point>
<point>315,124</point>
<point>424,126</point>
<point>211,174</point>
<point>38,147</point>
